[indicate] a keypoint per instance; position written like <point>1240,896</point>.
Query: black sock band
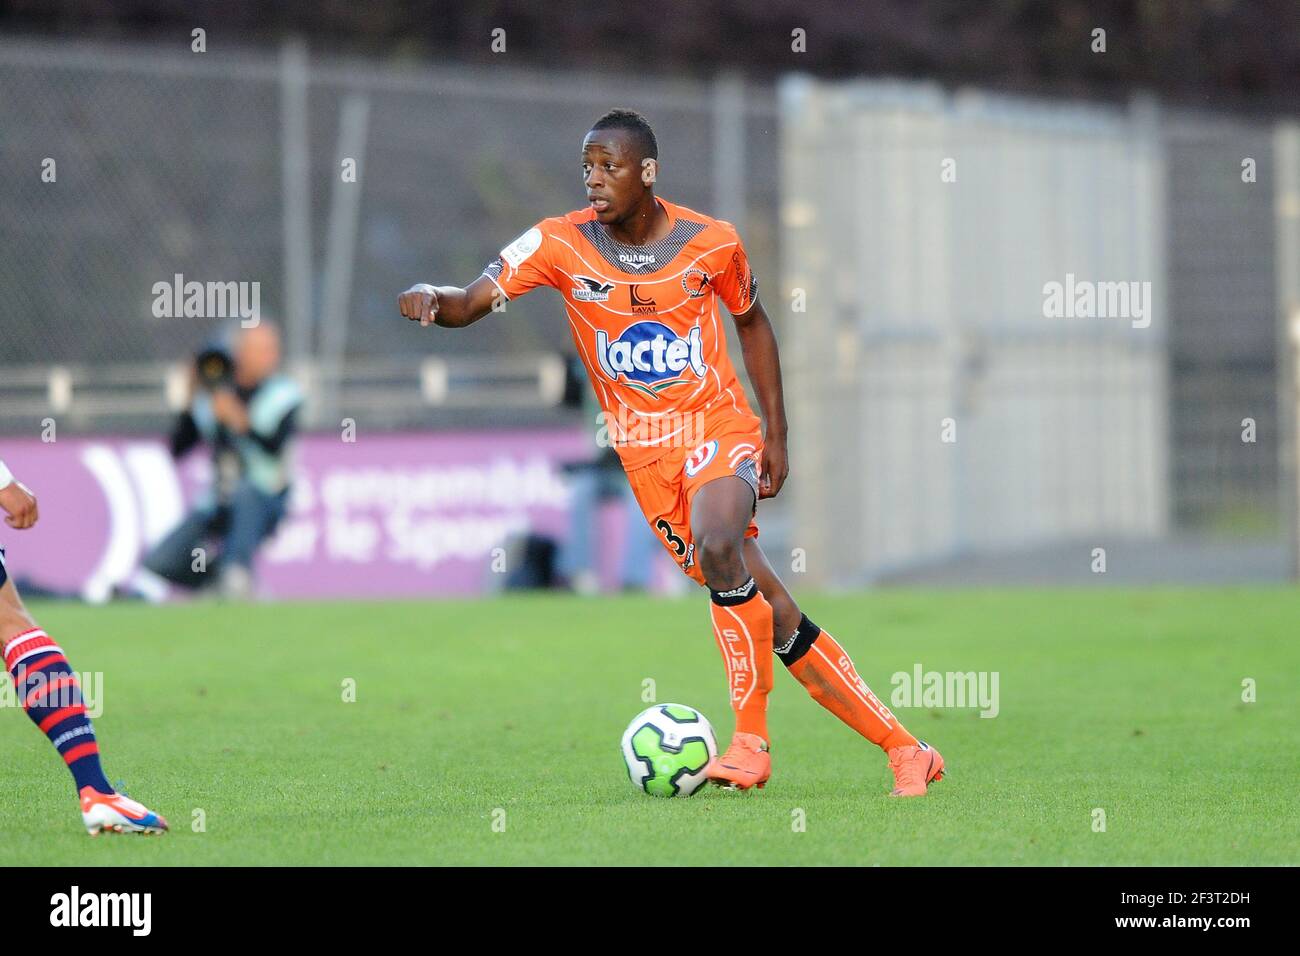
<point>736,595</point>
<point>799,642</point>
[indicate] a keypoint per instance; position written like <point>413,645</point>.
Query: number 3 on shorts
<point>674,541</point>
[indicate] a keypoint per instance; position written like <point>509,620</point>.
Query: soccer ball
<point>666,748</point>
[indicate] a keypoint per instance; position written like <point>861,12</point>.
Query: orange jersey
<point>645,320</point>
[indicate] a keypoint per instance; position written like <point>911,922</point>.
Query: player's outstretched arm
<point>763,363</point>
<point>448,306</point>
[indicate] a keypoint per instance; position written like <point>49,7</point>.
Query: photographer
<point>246,411</point>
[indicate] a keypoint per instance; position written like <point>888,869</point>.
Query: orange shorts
<point>665,488</point>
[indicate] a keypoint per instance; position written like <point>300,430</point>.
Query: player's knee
<point>720,557</point>
<point>785,614</point>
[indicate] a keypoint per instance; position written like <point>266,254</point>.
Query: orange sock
<point>742,623</point>
<point>819,663</point>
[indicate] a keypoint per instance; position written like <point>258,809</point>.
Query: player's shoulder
<point>561,225</point>
<point>536,234</point>
<point>713,242</point>
<point>712,228</point>
<point>576,217</point>
<point>536,240</point>
<point>551,236</point>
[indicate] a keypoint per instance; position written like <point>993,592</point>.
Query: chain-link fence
<point>130,166</point>
<point>942,411</point>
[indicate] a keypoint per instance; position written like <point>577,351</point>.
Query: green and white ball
<point>666,748</point>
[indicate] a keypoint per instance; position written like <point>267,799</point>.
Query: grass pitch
<point>486,732</point>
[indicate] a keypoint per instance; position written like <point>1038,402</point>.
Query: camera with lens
<point>215,367</point>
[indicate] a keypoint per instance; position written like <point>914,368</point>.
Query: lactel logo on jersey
<point>650,355</point>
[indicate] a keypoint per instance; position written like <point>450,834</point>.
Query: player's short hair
<point>634,123</point>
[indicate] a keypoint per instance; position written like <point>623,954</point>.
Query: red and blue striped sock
<point>51,695</point>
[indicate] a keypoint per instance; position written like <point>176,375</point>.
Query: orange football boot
<point>914,768</point>
<point>745,764</point>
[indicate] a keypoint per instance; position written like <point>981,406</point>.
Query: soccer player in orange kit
<point>641,279</point>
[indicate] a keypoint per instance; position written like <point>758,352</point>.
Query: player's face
<point>612,174</point>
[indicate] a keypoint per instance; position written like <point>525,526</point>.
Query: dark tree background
<point>1203,51</point>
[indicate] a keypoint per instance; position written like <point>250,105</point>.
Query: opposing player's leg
<point>51,695</point>
<point>721,513</point>
<point>817,661</point>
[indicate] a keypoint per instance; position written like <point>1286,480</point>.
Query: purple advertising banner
<point>397,515</point>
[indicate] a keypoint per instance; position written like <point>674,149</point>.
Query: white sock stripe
<point>20,637</point>
<point>43,649</point>
<point>753,661</point>
<point>726,656</point>
<point>851,686</point>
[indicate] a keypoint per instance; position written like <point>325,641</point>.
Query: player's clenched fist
<point>419,302</point>
<point>20,505</point>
